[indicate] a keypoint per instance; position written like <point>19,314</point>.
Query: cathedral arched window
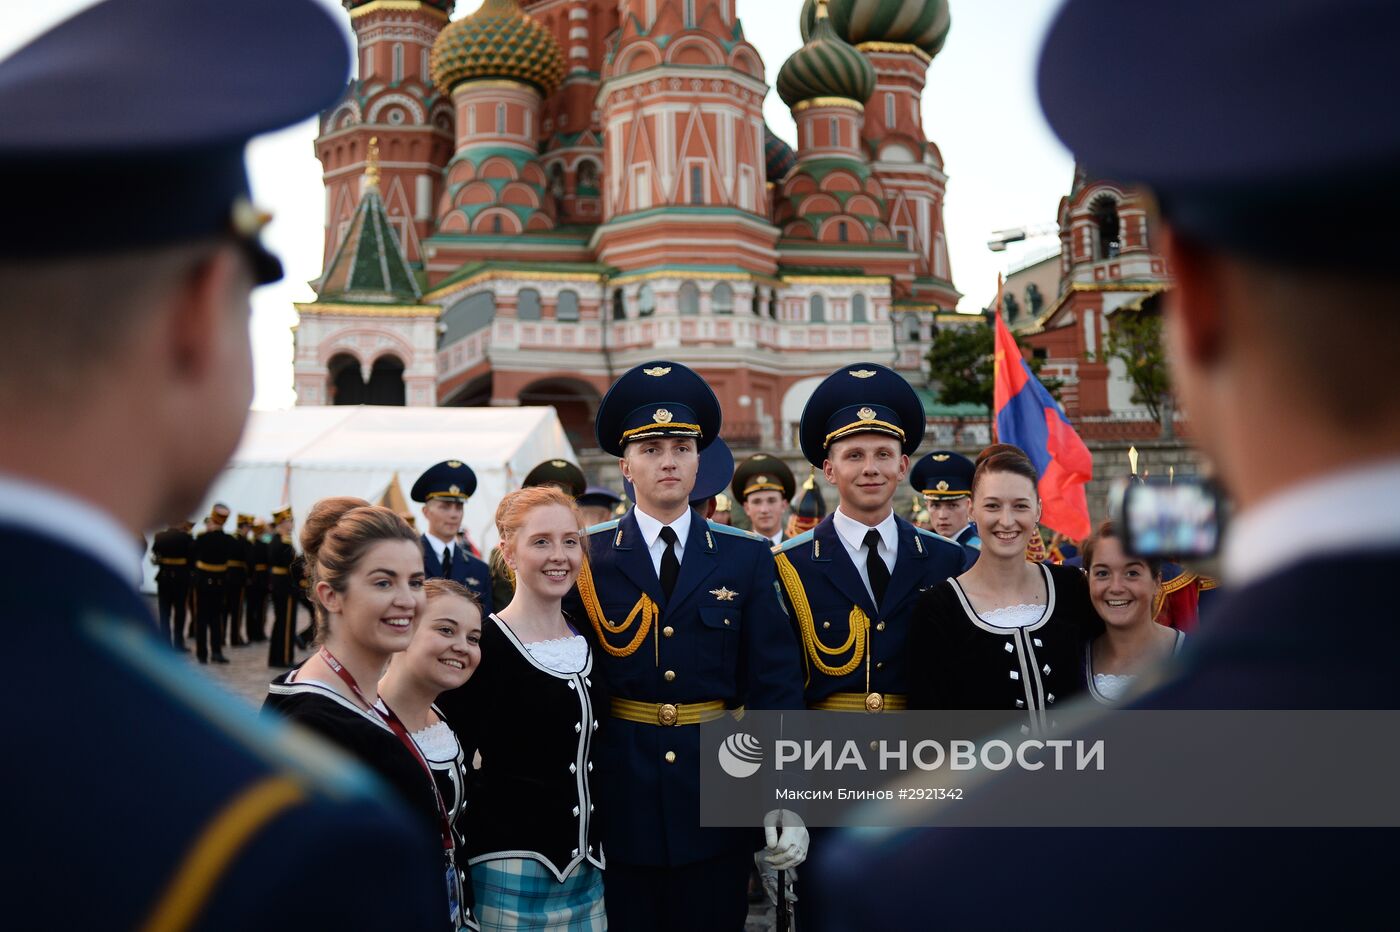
<point>527,304</point>
<point>859,314</point>
<point>587,177</point>
<point>816,308</point>
<point>773,303</point>
<point>689,298</point>
<point>911,328</point>
<point>386,382</point>
<point>842,235</point>
<point>346,387</point>
<point>423,69</point>
<point>566,307</point>
<point>619,307</point>
<point>398,62</point>
<point>722,299</point>
<point>496,224</point>
<point>1104,211</point>
<point>500,118</point>
<point>889,109</point>
<point>689,14</point>
<point>646,301</point>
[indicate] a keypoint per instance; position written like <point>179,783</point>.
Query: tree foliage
<point>960,362</point>
<point>1135,338</point>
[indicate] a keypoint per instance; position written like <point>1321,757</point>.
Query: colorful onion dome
<point>777,155</point>
<point>444,6</point>
<point>921,23</point>
<point>500,40</point>
<point>826,66</point>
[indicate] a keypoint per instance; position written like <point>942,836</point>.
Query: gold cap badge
<point>866,414</point>
<point>942,485</point>
<point>454,489</point>
<point>940,457</point>
<point>558,464</point>
<point>662,416</point>
<point>455,464</point>
<point>760,480</point>
<point>861,373</point>
<point>657,371</point>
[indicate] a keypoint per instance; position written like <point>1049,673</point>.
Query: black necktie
<point>875,566</point>
<point>447,562</point>
<point>670,566</point>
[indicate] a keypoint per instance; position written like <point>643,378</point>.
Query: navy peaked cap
<point>943,474</point>
<point>657,399</point>
<point>1266,130</point>
<point>599,496</point>
<point>452,480</point>
<point>862,398</point>
<point>125,125</point>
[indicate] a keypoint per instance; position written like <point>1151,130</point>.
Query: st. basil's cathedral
<point>526,202</point>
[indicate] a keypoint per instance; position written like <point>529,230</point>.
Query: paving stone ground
<point>247,674</point>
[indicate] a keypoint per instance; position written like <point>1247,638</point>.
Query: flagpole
<point>996,312</point>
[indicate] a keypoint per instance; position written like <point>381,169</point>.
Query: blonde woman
<point>529,712</point>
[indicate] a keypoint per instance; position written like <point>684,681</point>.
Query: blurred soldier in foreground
<point>1270,142</point>
<point>124,293</point>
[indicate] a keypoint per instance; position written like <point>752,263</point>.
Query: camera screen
<point>1180,519</point>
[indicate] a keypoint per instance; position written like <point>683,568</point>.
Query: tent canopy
<point>302,455</point>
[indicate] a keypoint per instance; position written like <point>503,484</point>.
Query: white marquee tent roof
<point>301,455</point>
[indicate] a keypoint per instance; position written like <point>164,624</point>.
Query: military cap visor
<point>1246,148</point>
<point>657,399</point>
<point>763,473</point>
<point>943,475</point>
<point>600,497</point>
<point>128,121</point>
<point>863,398</point>
<point>450,480</point>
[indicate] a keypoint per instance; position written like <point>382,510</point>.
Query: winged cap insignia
<point>662,416</point>
<point>455,464</point>
<point>940,457</point>
<point>657,371</point>
<point>866,414</point>
<point>861,373</point>
<point>558,464</point>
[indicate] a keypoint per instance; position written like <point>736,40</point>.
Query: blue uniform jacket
<point>971,542</point>
<point>468,570</point>
<point>823,577</point>
<point>135,780</point>
<point>724,637</point>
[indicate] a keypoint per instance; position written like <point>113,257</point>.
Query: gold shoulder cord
<point>645,606</point>
<point>859,622</point>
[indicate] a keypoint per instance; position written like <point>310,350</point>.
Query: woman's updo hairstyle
<point>1009,460</point>
<point>511,512</point>
<point>336,535</point>
<point>1107,530</point>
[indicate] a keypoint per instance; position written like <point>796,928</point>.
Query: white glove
<point>769,875</point>
<point>786,848</point>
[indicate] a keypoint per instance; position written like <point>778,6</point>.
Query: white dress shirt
<point>1357,509</point>
<point>852,534</point>
<point>71,521</point>
<point>439,545</point>
<point>651,533</point>
<point>777,538</point>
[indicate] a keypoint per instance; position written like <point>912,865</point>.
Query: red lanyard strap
<point>397,727</point>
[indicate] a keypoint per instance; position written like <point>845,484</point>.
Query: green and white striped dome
<point>921,23</point>
<point>826,66</point>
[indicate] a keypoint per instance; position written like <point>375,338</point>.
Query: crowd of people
<point>534,764</point>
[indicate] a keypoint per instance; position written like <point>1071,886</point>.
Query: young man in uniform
<point>171,552</point>
<point>764,485</point>
<point>212,551</point>
<point>125,380</point>
<point>282,590</point>
<point>444,489</point>
<point>944,479</point>
<point>686,623</point>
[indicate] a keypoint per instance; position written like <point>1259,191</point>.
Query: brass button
<point>726,621</point>
<point>826,624</point>
<point>668,631</point>
<point>880,665</point>
<point>670,757</point>
<point>667,714</point>
<point>880,626</point>
<point>669,675</point>
<point>874,702</point>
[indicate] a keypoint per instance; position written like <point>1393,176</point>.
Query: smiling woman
<point>366,571</point>
<point>529,715</point>
<point>1007,634</point>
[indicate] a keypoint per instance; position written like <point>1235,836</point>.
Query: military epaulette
<point>280,746</point>
<point>735,531</point>
<point>792,542</point>
<point>603,526</point>
<point>924,532</point>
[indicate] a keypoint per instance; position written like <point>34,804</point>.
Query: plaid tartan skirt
<point>521,894</point>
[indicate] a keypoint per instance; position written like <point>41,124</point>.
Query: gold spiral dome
<point>500,40</point>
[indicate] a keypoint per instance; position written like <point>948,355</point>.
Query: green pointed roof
<point>369,267</point>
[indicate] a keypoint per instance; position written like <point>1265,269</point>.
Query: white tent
<point>305,454</point>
